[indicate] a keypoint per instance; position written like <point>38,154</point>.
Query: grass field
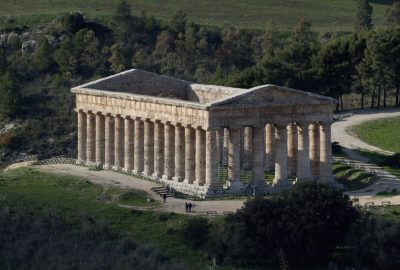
<point>329,15</point>
<point>384,133</point>
<point>74,197</point>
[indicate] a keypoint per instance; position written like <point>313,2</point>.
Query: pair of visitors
<point>188,207</point>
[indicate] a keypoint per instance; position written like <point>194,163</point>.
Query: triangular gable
<point>267,95</point>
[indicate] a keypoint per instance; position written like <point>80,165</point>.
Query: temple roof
<point>138,84</point>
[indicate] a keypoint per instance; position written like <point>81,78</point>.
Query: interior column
<point>281,173</point>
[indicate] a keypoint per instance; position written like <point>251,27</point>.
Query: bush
<point>375,243</point>
<point>303,226</point>
<point>392,161</point>
<point>196,231</point>
<point>336,148</point>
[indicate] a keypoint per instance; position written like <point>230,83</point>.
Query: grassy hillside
<point>332,15</point>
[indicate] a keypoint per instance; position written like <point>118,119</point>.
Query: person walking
<point>190,207</point>
<point>164,196</point>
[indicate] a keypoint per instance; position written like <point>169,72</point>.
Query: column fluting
<point>314,150</point>
<point>281,173</point>
<point>201,156</point>
<point>190,149</point>
<point>325,153</point>
<point>138,161</point>
<point>292,148</point>
<point>148,148</point>
<point>179,153</point>
<point>257,155</point>
<point>304,170</point>
<point>100,140</point>
<point>269,147</point>
<point>158,149</point>
<point>82,136</point>
<point>119,142</point>
<point>169,153</point>
<point>91,139</point>
<point>211,161</point>
<point>234,158</point>
<point>109,142</point>
<point>129,144</point>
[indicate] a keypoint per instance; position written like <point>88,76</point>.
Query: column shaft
<point>129,144</point>
<point>211,160</point>
<point>281,173</point>
<point>190,148</point>
<point>234,158</point>
<point>138,148</point>
<point>269,147</point>
<point>148,148</point>
<point>304,172</point>
<point>119,142</point>
<point>220,145</point>
<point>100,141</point>
<point>314,150</point>
<point>109,142</point>
<point>91,139</point>
<point>169,153</point>
<point>292,148</point>
<point>179,153</point>
<point>158,149</point>
<point>82,136</point>
<point>201,156</point>
<point>257,155</point>
<point>248,131</point>
<point>326,153</point>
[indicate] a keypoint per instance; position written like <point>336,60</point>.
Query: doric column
<point>119,142</point>
<point>269,148</point>
<point>325,153</point>
<point>292,148</point>
<point>190,148</point>
<point>225,146</point>
<point>169,153</point>
<point>129,144</point>
<point>91,139</point>
<point>281,173</point>
<point>109,138</point>
<point>211,161</point>
<point>138,147</point>
<point>257,155</point>
<point>158,149</point>
<point>248,146</point>
<point>304,170</point>
<point>81,136</point>
<point>100,140</point>
<point>234,158</point>
<point>201,156</point>
<point>179,153</point>
<point>148,148</point>
<point>314,150</point>
<point>220,145</point>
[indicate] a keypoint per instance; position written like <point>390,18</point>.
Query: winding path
<point>384,181</point>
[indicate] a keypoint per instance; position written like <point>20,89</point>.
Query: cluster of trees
<point>309,227</point>
<point>72,50</point>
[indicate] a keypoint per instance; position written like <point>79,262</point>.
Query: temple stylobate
<point>201,139</point>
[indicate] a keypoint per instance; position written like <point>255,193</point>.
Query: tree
<point>392,16</point>
<point>42,57</point>
<point>357,46</point>
<point>9,95</point>
<point>363,16</point>
<point>120,58</point>
<point>178,23</point>
<point>304,224</point>
<point>67,58</point>
<point>334,69</point>
<point>122,23</point>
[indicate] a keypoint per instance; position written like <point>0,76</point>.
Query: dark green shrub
<point>196,232</point>
<point>392,161</point>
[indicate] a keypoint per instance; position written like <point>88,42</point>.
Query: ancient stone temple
<point>204,140</point>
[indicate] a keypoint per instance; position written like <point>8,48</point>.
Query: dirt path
<point>105,177</point>
<point>385,181</point>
